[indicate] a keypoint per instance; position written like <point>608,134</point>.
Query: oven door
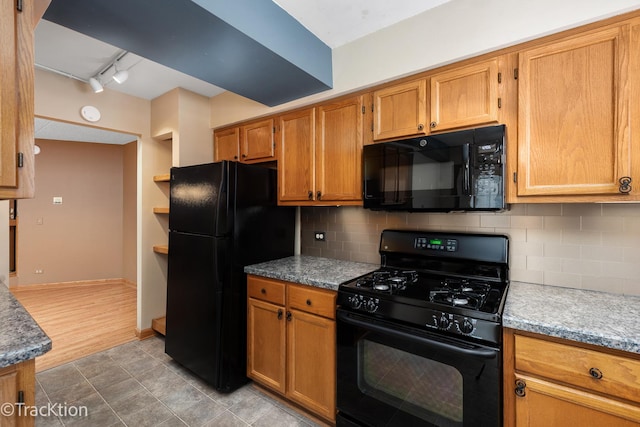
<point>392,375</point>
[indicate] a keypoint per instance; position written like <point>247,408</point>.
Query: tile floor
<point>137,384</point>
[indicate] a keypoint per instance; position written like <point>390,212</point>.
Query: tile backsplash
<point>585,246</point>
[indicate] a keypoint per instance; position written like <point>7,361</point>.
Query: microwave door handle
<point>467,179</point>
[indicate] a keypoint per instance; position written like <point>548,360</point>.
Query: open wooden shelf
<point>159,325</point>
<point>161,249</point>
<point>160,210</point>
<point>166,177</point>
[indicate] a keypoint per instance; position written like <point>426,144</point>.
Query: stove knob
<point>444,323</point>
<point>466,327</point>
<point>355,302</point>
<point>371,306</point>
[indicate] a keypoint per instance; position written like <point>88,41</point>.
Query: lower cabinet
<point>291,342</point>
<point>17,386</point>
<point>553,382</point>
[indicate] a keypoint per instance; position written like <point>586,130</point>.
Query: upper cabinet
<point>250,143</point>
<point>574,135</point>
<point>17,22</point>
<point>320,158</point>
<point>400,110</point>
<point>465,96</point>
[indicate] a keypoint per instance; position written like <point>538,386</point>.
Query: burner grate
<point>461,293</point>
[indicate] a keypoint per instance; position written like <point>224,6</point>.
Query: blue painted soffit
<point>249,47</point>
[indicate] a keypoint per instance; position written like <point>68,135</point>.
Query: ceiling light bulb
<point>121,76</point>
<point>95,85</point>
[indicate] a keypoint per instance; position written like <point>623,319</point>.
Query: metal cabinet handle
<point>595,373</point>
<point>520,386</point>
<point>263,291</point>
<point>319,195</point>
<point>309,302</point>
<point>310,195</point>
<point>279,314</point>
<point>433,124</point>
<point>625,184</point>
<point>288,316</point>
<point>420,126</point>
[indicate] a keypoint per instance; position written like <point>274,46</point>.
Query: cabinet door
<point>400,110</point>
<point>16,100</point>
<point>266,348</point>
<point>552,405</point>
<point>296,180</point>
<point>18,382</point>
<point>311,355</point>
<point>339,150</point>
<point>226,144</point>
<point>257,143</point>
<point>573,123</point>
<point>8,394</point>
<point>466,96</point>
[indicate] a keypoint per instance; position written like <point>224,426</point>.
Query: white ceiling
<point>335,22</point>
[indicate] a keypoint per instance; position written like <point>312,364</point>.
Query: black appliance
<point>222,217</point>
<point>454,171</point>
<point>420,339</point>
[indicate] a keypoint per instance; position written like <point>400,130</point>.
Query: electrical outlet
<point>319,236</point>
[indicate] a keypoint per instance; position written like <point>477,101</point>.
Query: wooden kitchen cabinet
<point>291,342</point>
<point>555,382</point>
<point>400,110</point>
<point>17,98</point>
<point>574,116</point>
<point>17,385</point>
<point>465,96</point>
<point>321,154</point>
<point>249,143</point>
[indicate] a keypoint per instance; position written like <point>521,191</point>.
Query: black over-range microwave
<point>454,171</point>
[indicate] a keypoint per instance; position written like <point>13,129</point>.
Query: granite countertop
<point>599,318</point>
<point>310,270</point>
<point>20,336</point>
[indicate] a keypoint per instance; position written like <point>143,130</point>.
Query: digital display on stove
<point>449,245</point>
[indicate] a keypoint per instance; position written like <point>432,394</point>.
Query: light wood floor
<point>80,318</point>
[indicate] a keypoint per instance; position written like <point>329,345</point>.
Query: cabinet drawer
<point>265,289</point>
<point>313,300</point>
<point>613,375</point>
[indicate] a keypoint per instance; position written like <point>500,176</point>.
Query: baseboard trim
<point>144,333</point>
<point>62,285</point>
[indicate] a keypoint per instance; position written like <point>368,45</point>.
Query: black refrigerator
<point>222,217</point>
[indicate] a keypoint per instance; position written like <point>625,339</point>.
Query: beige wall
<point>587,246</point>
<point>129,209</point>
<point>83,238</point>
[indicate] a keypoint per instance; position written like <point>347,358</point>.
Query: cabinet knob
<point>595,373</point>
<point>310,195</point>
<point>288,316</point>
<point>309,302</point>
<point>263,291</point>
<point>244,156</point>
<point>280,314</point>
<point>625,184</point>
<point>235,157</point>
<point>433,124</point>
<point>420,126</point>
<point>318,195</point>
<point>520,386</point>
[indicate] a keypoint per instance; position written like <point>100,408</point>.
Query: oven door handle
<point>484,353</point>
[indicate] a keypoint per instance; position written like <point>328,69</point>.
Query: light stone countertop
<point>599,318</point>
<point>20,336</point>
<point>310,270</point>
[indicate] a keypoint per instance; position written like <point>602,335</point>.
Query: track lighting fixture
<point>95,85</point>
<point>120,76</point>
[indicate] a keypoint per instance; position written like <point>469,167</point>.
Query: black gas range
<point>448,282</point>
<point>420,339</point>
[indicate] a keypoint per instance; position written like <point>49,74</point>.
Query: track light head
<point>121,76</point>
<point>95,85</point>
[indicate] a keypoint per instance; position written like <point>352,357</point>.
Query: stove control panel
<point>437,244</point>
<point>360,302</point>
<point>453,323</point>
